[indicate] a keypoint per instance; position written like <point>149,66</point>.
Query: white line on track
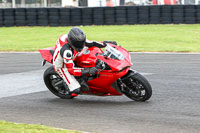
<point>21,83</point>
<point>24,83</point>
<point>172,53</point>
<point>147,74</point>
<point>35,52</point>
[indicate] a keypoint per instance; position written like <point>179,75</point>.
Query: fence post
<point>13,3</point>
<point>45,3</point>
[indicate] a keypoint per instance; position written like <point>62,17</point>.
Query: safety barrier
<point>165,14</point>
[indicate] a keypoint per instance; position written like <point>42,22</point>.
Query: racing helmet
<point>76,38</point>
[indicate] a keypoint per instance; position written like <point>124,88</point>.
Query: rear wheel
<point>50,80</point>
<point>136,87</point>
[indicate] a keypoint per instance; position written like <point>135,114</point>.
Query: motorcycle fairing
<point>47,54</point>
<point>88,57</point>
<point>106,78</point>
<point>93,53</point>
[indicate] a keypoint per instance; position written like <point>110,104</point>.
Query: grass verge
<point>163,38</point>
<point>8,127</point>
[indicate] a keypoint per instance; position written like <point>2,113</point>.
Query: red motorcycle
<point>114,76</point>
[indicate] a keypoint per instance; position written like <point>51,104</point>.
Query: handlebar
<point>112,42</point>
<point>100,65</point>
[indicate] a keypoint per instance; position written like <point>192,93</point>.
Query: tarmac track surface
<point>173,107</point>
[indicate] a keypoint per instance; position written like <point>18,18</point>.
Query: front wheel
<point>50,80</point>
<point>136,87</point>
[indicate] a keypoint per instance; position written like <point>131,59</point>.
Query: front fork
<point>121,80</point>
<point>122,85</point>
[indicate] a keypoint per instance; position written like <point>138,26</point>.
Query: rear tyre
<point>137,87</point>
<point>50,79</point>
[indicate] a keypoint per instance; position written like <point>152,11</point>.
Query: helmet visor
<point>78,45</point>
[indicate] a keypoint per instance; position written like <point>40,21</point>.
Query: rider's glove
<point>91,71</point>
<point>112,42</point>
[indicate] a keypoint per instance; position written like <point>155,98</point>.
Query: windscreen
<point>113,53</point>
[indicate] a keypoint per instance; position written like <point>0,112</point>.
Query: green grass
<point>8,127</point>
<point>164,38</point>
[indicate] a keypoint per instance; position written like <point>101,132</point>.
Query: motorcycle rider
<point>68,46</point>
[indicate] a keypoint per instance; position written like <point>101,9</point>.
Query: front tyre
<point>136,87</point>
<point>50,79</point>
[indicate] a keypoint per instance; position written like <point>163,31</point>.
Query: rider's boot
<point>84,85</point>
<point>76,91</point>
